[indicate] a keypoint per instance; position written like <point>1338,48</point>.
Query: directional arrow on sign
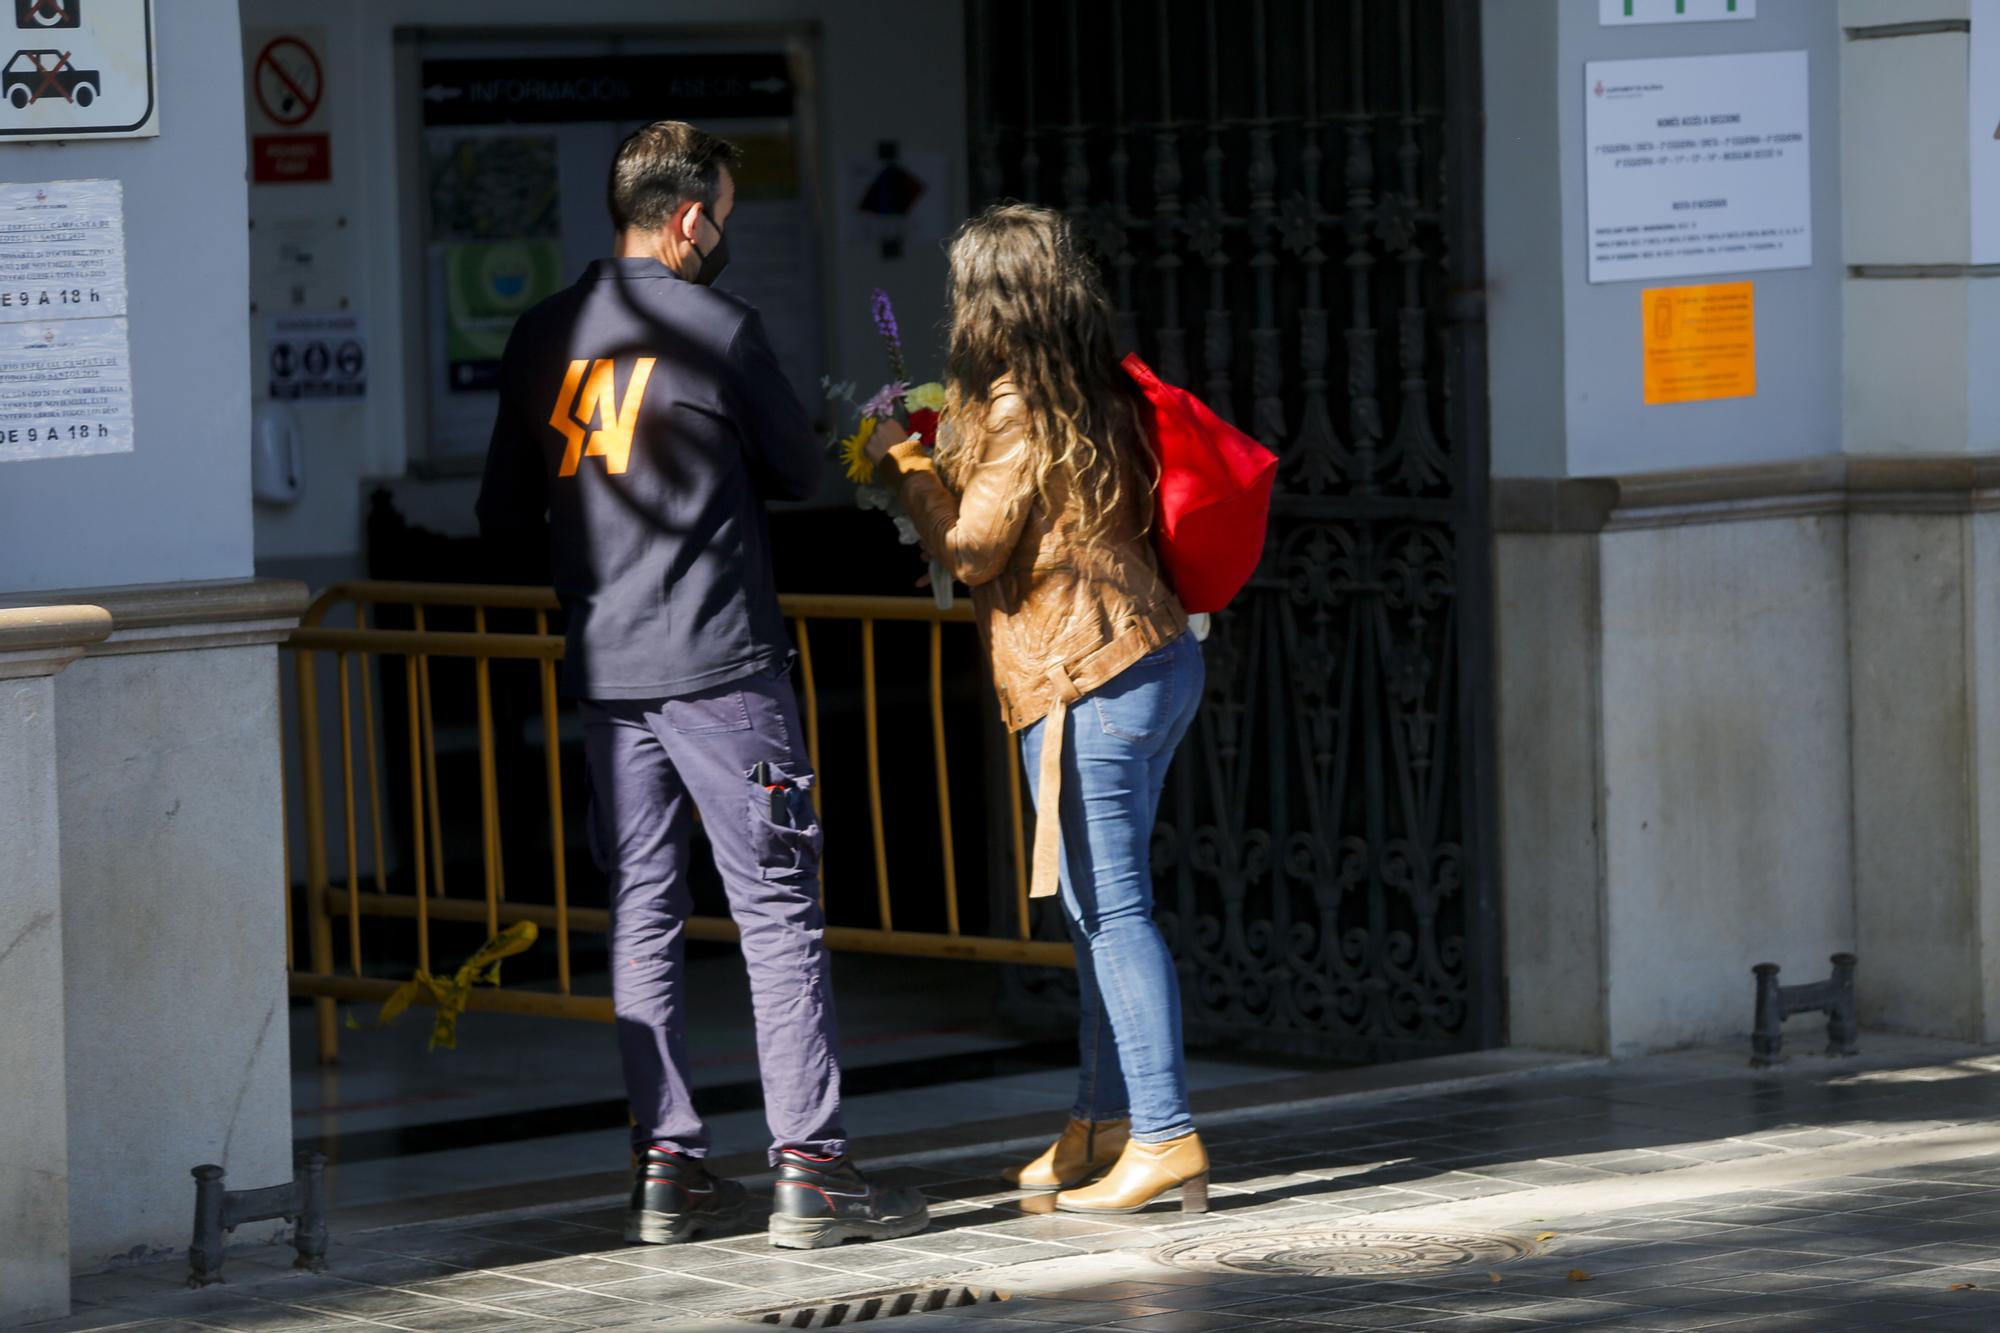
<point>769,86</point>
<point>438,92</point>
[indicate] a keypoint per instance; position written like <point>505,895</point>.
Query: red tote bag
<point>1215,494</point>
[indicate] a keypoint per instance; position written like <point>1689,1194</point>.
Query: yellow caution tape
<point>450,994</point>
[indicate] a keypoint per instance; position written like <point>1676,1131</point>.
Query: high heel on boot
<point>1144,1173</point>
<point>1086,1149</point>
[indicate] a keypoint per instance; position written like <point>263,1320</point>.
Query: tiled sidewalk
<point>1671,1193</point>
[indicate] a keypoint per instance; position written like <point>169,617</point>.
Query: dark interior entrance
<point>1285,195</point>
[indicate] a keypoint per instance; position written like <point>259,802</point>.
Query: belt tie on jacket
<point>1048,787</point>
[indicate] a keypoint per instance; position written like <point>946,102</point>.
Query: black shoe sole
<point>823,1233</point>
<point>650,1228</point>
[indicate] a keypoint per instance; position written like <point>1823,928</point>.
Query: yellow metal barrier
<point>427,902</point>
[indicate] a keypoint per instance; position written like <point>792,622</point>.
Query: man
<point>644,420</point>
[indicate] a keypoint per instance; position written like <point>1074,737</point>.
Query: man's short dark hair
<point>661,167</point>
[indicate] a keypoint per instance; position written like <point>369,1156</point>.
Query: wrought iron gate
<point>1256,175</point>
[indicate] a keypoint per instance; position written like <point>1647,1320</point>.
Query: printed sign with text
<point>1701,342</point>
<point>65,360</point>
<point>1698,165</point>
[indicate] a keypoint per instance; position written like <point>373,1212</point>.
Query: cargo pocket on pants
<point>784,828</point>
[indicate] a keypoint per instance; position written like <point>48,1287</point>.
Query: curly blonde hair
<point>1029,306</point>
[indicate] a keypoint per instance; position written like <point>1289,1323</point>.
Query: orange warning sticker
<point>1701,342</point>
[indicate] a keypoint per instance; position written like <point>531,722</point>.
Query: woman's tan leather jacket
<point>1059,619</point>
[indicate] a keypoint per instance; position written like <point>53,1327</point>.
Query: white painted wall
<point>887,69</point>
<point>1673,704</point>
<point>1921,329</point>
<point>1566,367</point>
<point>177,507</point>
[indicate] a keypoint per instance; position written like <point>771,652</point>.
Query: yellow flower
<point>925,397</point>
<point>854,454</point>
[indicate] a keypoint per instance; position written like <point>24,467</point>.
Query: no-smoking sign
<point>288,145</point>
<point>289,81</point>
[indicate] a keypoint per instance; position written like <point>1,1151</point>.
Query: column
<point>35,644</point>
<point>168,762</point>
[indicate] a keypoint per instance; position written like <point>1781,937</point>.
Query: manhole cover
<point>1344,1252</point>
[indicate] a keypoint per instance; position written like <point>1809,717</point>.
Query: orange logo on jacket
<point>583,402</point>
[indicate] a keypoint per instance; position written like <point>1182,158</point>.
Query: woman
<point>1040,498</point>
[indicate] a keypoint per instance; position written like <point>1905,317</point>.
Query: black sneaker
<point>824,1201</point>
<point>675,1199</point>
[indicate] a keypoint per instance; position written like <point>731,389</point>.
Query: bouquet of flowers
<point>918,407</point>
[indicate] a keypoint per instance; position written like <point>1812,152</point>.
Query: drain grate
<point>884,1305</point>
<point>1344,1252</point>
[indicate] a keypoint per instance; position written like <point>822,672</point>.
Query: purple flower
<point>885,317</point>
<point>885,401</point>
<point>892,337</point>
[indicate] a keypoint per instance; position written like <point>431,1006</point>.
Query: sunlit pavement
<point>1675,1192</point>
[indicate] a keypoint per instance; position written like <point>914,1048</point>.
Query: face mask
<point>716,260</point>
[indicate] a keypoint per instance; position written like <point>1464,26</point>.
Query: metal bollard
<point>218,1210</point>
<point>1834,997</point>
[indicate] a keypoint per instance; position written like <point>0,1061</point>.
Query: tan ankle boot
<point>1085,1149</point>
<point>1145,1171</point>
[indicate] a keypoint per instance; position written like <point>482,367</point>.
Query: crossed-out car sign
<point>32,75</point>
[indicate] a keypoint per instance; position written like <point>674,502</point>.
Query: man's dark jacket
<point>643,424</point>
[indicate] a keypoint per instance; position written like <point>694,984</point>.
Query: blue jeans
<point>1121,742</point>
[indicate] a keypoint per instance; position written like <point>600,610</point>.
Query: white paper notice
<point>1984,131</point>
<point>1698,165</point>
<point>62,250</point>
<point>65,358</point>
<point>65,389</point>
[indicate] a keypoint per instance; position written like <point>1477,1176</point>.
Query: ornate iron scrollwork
<point>1320,865</point>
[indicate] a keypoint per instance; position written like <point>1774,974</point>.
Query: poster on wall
<point>65,350</point>
<point>516,149</point>
<point>78,69</point>
<point>898,202</point>
<point>495,251</point>
<point>487,286</point>
<point>1698,165</point>
<point>315,355</point>
<point>774,249</point>
<point>1701,342</point>
<point>1983,130</point>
